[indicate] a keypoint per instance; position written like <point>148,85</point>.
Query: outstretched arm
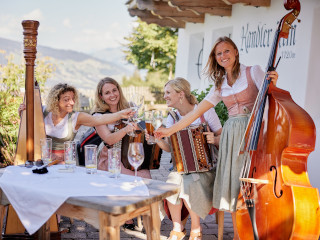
<point>92,121</point>
<point>113,137</point>
<point>185,121</point>
<point>162,143</point>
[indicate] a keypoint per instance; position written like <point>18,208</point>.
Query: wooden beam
<point>164,22</point>
<point>175,13</point>
<point>214,7</point>
<point>200,3</point>
<point>148,17</point>
<point>256,3</point>
<point>145,4</point>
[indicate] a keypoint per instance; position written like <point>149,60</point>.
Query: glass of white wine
<point>90,158</point>
<point>70,154</point>
<point>46,150</point>
<point>135,157</point>
<point>157,119</point>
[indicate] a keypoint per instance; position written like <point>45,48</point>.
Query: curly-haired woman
<point>62,122</point>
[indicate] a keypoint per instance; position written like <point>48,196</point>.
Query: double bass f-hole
<point>275,182</point>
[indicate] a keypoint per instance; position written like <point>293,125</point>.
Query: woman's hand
<point>126,113</point>
<point>210,137</point>
<point>21,108</point>
<point>162,132</point>
<point>130,127</point>
<point>273,75</point>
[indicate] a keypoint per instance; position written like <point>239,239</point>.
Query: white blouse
<point>61,129</point>
<point>210,117</point>
<point>257,75</point>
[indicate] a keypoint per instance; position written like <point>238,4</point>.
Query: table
<point>108,213</point>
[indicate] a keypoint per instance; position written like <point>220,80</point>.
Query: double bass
<point>276,199</point>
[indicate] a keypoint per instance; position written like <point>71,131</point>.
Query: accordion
<point>190,150</point>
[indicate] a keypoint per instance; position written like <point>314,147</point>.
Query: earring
<point>181,101</point>
<point>103,102</point>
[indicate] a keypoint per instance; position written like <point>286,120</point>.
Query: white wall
<point>299,65</point>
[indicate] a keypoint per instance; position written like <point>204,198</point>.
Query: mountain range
<point>78,69</point>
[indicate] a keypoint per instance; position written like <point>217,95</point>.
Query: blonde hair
<point>55,94</point>
<point>216,72</point>
<point>102,106</point>
<point>182,85</point>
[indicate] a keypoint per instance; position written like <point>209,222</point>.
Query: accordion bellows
<point>190,150</point>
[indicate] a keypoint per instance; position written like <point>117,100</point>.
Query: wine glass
<point>136,103</point>
<point>135,157</point>
<point>157,119</point>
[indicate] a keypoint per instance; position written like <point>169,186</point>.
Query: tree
<point>152,47</point>
<point>12,80</point>
<point>134,80</point>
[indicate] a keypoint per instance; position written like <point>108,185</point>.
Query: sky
<point>80,25</point>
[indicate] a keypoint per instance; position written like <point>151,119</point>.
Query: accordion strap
<point>176,118</point>
<point>174,115</point>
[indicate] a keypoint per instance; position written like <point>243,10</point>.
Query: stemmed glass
<point>135,157</point>
<point>136,104</point>
<point>157,119</point>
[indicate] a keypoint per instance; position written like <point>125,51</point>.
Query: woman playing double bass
<point>237,86</point>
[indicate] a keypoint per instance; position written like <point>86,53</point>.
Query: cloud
<point>91,39</point>
<point>12,27</point>
<point>67,23</point>
<point>34,15</point>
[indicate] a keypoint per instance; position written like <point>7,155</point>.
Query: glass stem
<point>135,175</point>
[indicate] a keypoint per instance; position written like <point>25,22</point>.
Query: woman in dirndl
<point>109,98</point>
<point>237,86</point>
<point>195,188</point>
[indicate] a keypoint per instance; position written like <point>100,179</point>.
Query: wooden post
<point>30,43</point>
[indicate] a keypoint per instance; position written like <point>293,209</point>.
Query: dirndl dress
<point>195,188</point>
<point>227,184</point>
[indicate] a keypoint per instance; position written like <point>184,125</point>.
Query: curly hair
<point>216,72</point>
<point>102,106</point>
<point>54,97</point>
<point>180,84</point>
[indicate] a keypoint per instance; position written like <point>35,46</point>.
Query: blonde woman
<point>109,98</point>
<point>196,188</point>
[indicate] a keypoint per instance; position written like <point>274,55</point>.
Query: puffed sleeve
<point>257,75</point>
<point>212,119</point>
<point>213,97</point>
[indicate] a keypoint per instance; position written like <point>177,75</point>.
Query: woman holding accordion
<point>196,188</point>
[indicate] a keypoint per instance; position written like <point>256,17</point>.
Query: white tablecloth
<point>35,197</point>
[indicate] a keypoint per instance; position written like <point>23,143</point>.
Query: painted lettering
<point>258,38</point>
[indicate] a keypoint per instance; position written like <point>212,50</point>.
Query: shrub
<point>220,108</point>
